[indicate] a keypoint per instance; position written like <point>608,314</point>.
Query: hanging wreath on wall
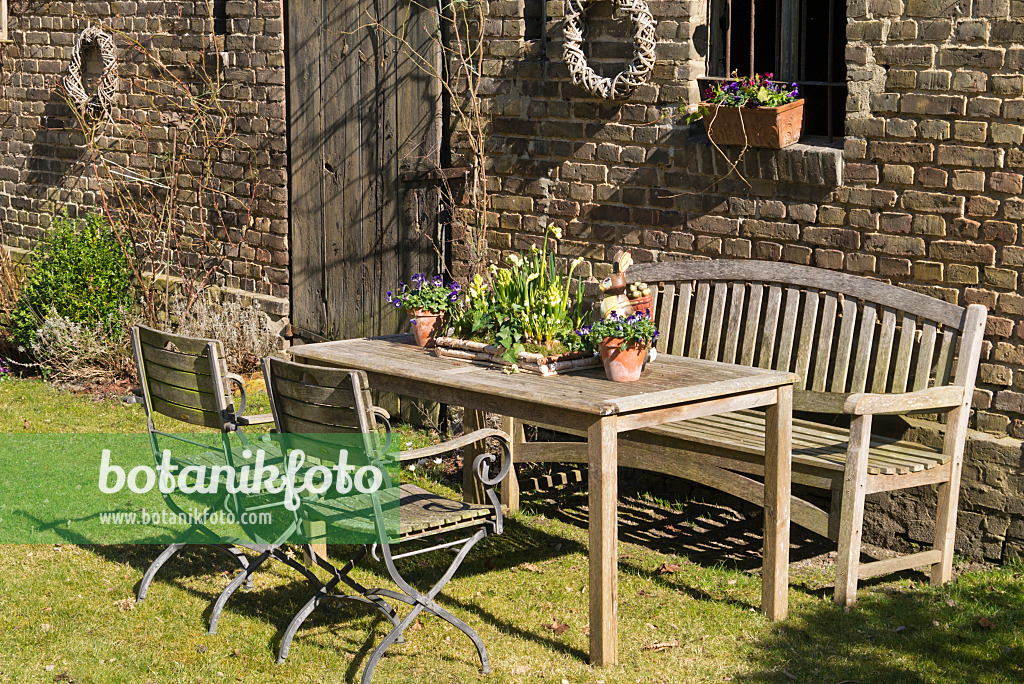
<point>100,101</point>
<point>635,73</point>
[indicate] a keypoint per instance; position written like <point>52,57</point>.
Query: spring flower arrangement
<point>754,91</point>
<point>623,343</point>
<point>528,305</point>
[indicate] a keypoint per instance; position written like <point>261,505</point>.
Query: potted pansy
<point>754,111</point>
<point>622,342</point>
<point>428,302</point>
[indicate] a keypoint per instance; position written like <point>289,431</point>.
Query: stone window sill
<point>812,161</point>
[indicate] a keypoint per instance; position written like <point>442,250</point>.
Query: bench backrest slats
<point>771,323</point>
<point>753,319</point>
<point>884,353</point>
<point>840,333</point>
<point>824,346</point>
<point>787,336</point>
<point>926,350</point>
<point>713,333</point>
<point>844,346</point>
<point>734,323</point>
<point>944,364</point>
<point>682,318</point>
<point>904,354</point>
<point>700,313</point>
<point>865,347</point>
<point>663,300</point>
<point>806,346</point>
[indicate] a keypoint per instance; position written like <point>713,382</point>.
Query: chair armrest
<point>260,419</point>
<point>453,444</point>
<point>384,417</point>
<point>929,399</point>
<point>239,382</point>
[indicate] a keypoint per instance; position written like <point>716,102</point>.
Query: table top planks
<point>667,381</point>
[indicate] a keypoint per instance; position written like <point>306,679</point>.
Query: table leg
<point>510,486</point>
<point>777,464</point>
<point>472,490</point>
<point>602,447</point>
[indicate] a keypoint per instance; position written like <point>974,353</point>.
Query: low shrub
<point>71,353</point>
<point>244,330</point>
<point>79,273</point>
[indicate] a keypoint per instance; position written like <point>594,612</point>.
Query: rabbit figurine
<point>614,289</point>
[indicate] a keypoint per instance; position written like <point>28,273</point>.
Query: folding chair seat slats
<point>422,512</point>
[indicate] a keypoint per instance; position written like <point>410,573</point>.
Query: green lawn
<point>687,613</point>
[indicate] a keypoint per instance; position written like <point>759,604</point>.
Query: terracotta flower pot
<point>771,127</point>
<point>426,325</point>
<point>622,365</point>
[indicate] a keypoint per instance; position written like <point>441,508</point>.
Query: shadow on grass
<point>277,604</point>
<point>899,636</point>
<point>706,533</point>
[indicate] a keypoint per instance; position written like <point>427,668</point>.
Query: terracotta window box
<point>770,127</point>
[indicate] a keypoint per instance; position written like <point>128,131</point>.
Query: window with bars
<point>219,11</point>
<point>796,40</point>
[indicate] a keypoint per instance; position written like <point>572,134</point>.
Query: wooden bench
<point>862,348</point>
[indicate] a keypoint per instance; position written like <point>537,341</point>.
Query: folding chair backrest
<point>182,377</point>
<point>311,400</point>
<point>315,399</point>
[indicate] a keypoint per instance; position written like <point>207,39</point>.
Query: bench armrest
<point>930,399</point>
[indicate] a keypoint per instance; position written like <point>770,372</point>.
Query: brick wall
<point>923,192</point>
<point>44,166</point>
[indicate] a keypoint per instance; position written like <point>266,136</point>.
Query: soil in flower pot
<point>426,325</point>
<point>622,365</point>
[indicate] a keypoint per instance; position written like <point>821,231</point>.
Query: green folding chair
<point>186,379</point>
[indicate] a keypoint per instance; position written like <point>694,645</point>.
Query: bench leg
<point>510,487</point>
<point>851,521</point>
<point>949,495</point>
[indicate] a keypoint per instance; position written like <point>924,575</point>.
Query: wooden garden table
<point>672,388</point>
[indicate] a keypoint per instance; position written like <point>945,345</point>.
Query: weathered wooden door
<point>362,109</point>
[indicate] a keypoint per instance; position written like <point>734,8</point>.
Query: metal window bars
<point>799,46</point>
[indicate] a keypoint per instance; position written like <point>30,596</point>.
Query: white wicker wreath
<point>635,73</point>
<point>103,99</point>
